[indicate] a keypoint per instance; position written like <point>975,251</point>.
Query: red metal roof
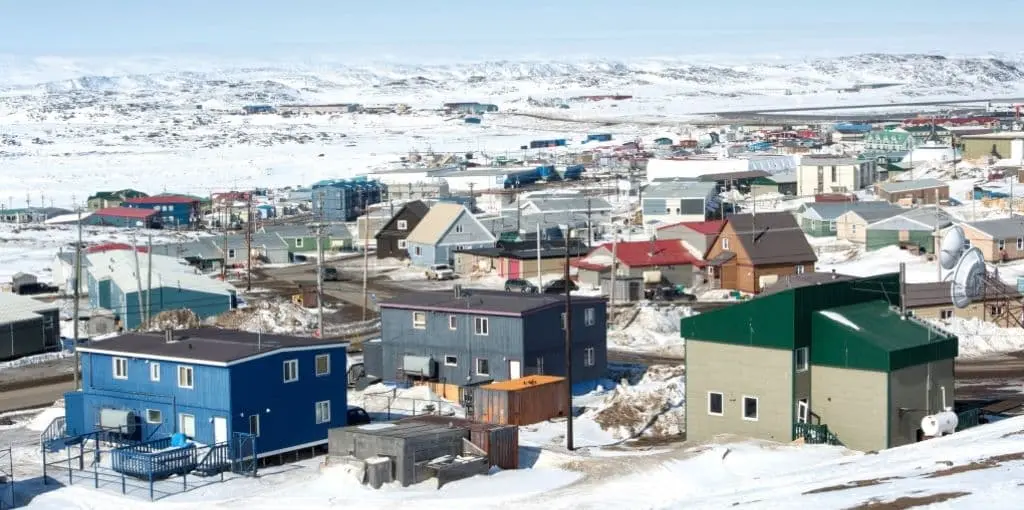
<point>703,227</point>
<point>668,252</point>
<point>125,212</point>
<point>113,247</point>
<point>161,199</point>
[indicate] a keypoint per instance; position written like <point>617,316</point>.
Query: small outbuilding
<point>27,326</point>
<point>920,191</point>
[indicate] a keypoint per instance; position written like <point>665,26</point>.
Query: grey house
<point>445,229</point>
<point>465,337</point>
<point>27,326</point>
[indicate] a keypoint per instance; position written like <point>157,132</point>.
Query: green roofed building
<point>835,361</point>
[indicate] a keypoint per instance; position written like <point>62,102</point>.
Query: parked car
<point>520,285</point>
<point>558,287</point>
<point>440,272</point>
<point>331,274</point>
<point>357,416</point>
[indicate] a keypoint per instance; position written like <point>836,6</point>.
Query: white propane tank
<point>939,424</point>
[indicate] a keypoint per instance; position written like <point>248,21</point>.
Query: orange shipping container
<point>523,401</point>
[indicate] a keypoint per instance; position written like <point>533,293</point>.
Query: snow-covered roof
<point>15,308</point>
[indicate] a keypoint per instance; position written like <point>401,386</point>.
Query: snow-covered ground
<point>981,339</point>
<point>649,328</point>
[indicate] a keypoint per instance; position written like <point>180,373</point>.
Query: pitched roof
<point>554,203</point>
<point>124,212</point>
<point>417,208</point>
<point>795,281</point>
<point>679,189</point>
<point>205,346</point>
<point>828,211</point>
<point>436,222</point>
<point>918,218</point>
<point>15,308</point>
<point>481,301</point>
<point>938,293</point>
<point>114,246</point>
<point>772,238</point>
<point>873,215</point>
<point>1000,228</point>
<point>664,252</point>
<point>701,227</point>
<point>894,187</point>
<point>162,199</point>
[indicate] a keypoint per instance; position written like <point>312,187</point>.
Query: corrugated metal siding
<point>203,304</point>
<point>545,339</point>
<point>287,411</point>
<point>520,407</point>
<point>373,358</point>
<point>910,398</point>
<point>766,322</point>
<point>22,338</point>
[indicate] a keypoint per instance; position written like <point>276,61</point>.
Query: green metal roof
<point>873,336</point>
<point>783,320</point>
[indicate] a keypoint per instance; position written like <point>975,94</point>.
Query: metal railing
<point>154,459</point>
<point>217,460</point>
<point>815,434</point>
<point>967,419</point>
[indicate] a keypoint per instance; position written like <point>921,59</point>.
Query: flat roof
<point>679,189</point>
<point>481,301</point>
<point>206,346</point>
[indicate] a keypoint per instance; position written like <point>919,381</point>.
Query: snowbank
<point>653,407</point>
<point>34,360</point>
<point>43,419</point>
<point>651,329</point>
<point>979,338</point>
<point>281,317</point>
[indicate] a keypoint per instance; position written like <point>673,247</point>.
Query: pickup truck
<point>440,272</point>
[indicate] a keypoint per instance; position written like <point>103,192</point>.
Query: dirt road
<point>33,396</point>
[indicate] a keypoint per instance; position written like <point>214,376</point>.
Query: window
<point>995,310</point>
<point>154,416</point>
<point>185,379</point>
<point>187,425</point>
<point>154,372</point>
<point>453,322</point>
<point>417,250</point>
<point>231,253</point>
<point>419,320</point>
<point>254,425</point>
<point>120,368</point>
<point>298,242</point>
<point>802,410</point>
<point>481,326</point>
<point>323,412</point>
<point>291,370</point>
<point>946,314</point>
<point>458,229</point>
<point>750,408</point>
<point>482,367</point>
<point>835,176</point>
<point>590,316</point>
<point>402,244</point>
<point>725,243</point>
<point>1001,245</point>
<point>588,357</point>
<point>1020,243</point>
<point>402,225</point>
<point>451,361</point>
<point>832,226</point>
<point>540,365</point>
<point>716,403</point>
<point>853,229</point>
<point>563,320</point>
<point>323,365</point>
<point>800,359</point>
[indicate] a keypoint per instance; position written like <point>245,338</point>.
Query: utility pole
<point>78,296</point>
<point>366,256</point>
<point>615,258</point>
<point>568,354</point>
<point>248,241</point>
<point>149,278</point>
<point>319,232</point>
<point>590,232</point>
<point>224,266</point>
<point>540,283</point>
<point>138,280</point>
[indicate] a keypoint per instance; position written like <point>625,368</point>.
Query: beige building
<point>830,362</point>
<point>1000,240</point>
<point>932,300</point>
<point>993,146</point>
<point>852,226</point>
<point>818,174</point>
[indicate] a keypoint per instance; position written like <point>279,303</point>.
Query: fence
<point>389,404</point>
<point>815,434</point>
<point>967,419</point>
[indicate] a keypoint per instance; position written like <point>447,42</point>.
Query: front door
<point>220,429</point>
<point>513,268</point>
<point>515,369</point>
<point>187,425</point>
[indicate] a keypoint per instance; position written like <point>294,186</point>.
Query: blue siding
<point>545,339</point>
<point>99,291</point>
<point>654,206</point>
<point>287,410</point>
<point>473,235</point>
<point>170,215</point>
<point>426,255</point>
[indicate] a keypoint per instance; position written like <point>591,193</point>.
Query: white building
<point>677,201</point>
<point>834,175</point>
<point>694,167</point>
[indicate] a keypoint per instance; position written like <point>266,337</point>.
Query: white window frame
<point>721,403</point>
<point>316,365</point>
<point>231,253</point>
<point>589,357</point>
<point>476,367</point>
<point>458,229</point>
<point>186,382</point>
<point>402,225</point>
<point>853,228</point>
<point>725,243</point>
<point>807,359</point>
<point>257,431</point>
<point>832,226</point>
<point>803,411</point>
<point>154,371</point>
<point>481,326</point>
<point>589,316</point>
<point>422,322</point>
<point>757,408</point>
<point>453,322</point>
<point>294,363</point>
<point>402,244</point>
<point>322,411</point>
<point>1001,245</point>
<point>159,416</point>
<point>181,424</point>
<point>799,269</point>
<point>454,360</point>
<point>946,314</point>
<point>116,368</point>
<point>298,242</point>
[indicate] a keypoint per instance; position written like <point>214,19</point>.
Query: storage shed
<point>500,442</point>
<point>27,326</point>
<point>523,401</point>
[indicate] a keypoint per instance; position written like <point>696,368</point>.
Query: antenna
<point>968,279</point>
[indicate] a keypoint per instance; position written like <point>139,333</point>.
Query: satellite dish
<point>968,278</point>
<point>952,248</point>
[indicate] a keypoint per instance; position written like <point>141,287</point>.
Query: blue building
<point>257,109</point>
<point>172,210</point>
<point>208,384</point>
<point>345,200</point>
<point>446,229</point>
<point>171,284</point>
<point>465,337</point>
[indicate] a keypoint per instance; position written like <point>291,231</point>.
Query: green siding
<point>878,239</point>
<point>924,239</point>
<point>882,340</point>
<point>308,244</point>
<point>783,320</point>
<point>817,228</point>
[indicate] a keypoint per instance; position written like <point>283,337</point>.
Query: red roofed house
<point>172,210</point>
<point>698,234</point>
<point>123,217</point>
<point>668,261</point>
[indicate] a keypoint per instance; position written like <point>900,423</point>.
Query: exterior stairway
<point>217,460</point>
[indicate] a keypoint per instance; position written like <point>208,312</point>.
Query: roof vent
<point>834,275</point>
<point>169,336</point>
<point>458,291</point>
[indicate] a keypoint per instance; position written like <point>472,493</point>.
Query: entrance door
<point>187,425</point>
<point>220,429</point>
<point>513,268</point>
<point>515,369</point>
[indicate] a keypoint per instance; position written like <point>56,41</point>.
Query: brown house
<point>1000,240</point>
<point>920,191</point>
<point>997,304</point>
<point>391,237</point>
<point>754,250</point>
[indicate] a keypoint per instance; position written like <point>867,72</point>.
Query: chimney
<point>169,335</point>
<point>458,291</point>
<point>834,275</point>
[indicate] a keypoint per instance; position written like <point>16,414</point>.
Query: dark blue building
<point>345,200</point>
<point>172,211</point>
<point>210,385</point>
<point>256,109</point>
